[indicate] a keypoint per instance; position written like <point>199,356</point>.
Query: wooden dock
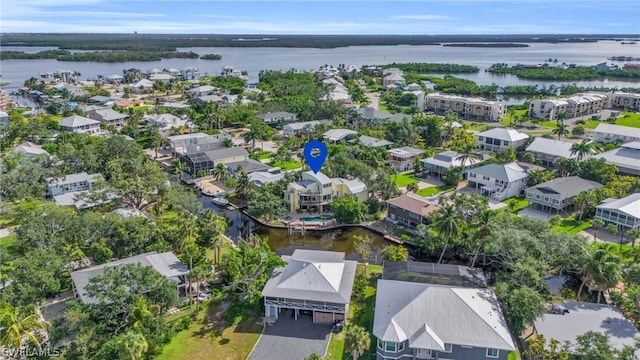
<point>393,239</point>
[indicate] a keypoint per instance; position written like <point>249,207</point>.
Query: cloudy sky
<point>322,17</point>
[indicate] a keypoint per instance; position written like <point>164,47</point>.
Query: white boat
<point>220,201</point>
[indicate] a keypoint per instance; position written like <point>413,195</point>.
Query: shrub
<point>182,324</point>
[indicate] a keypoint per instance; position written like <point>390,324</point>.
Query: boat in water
<point>220,201</point>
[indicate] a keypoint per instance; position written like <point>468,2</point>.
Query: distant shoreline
<point>487,45</point>
<point>170,42</point>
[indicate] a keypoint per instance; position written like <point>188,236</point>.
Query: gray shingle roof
<point>249,166</point>
<point>627,156</point>
<point>551,147</point>
<point>313,275</point>
<point>77,121</point>
<point>374,142</point>
<point>583,317</point>
<point>430,316</point>
<point>167,264</point>
<point>338,134</point>
<point>74,178</point>
<point>565,186</point>
<point>617,130</point>
<point>225,153</point>
<point>108,114</point>
<point>505,172</point>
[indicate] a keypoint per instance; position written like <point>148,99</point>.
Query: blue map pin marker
<point>315,152</point>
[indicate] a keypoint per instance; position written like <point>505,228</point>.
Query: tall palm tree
<point>178,168</point>
<point>244,186</point>
<point>561,130</point>
<point>413,187</point>
<point>251,136</point>
<point>17,326</point>
<point>221,173</point>
<point>483,222</point>
<point>584,200</point>
<point>600,267</point>
<point>357,340</point>
<point>211,228</point>
<point>468,155</point>
<point>633,234</point>
<point>584,149</point>
<point>132,346</point>
<point>449,224</point>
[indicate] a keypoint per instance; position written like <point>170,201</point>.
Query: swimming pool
<point>315,219</point>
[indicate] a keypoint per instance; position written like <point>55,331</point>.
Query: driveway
<point>535,213</point>
<point>288,339</point>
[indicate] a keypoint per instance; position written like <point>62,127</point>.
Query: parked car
<point>203,297</point>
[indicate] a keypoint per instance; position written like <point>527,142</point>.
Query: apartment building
<point>466,107</point>
<point>624,101</point>
<point>573,106</point>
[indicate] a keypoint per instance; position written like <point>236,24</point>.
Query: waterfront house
<point>439,164</point>
<point>606,133</point>
<point>277,117</point>
<point>161,77</point>
<point>558,194</point>
<point>410,210</point>
<point>466,107</point>
<point>313,283</point>
<point>393,78</point>
<point>624,213</point>
<point>179,143</point>
<point>302,128</point>
<point>109,117</point>
<point>547,150</point>
<point>72,182</point>
<point>421,319</point>
<point>314,192</point>
<point>403,158</point>
<point>626,158</point>
<point>260,178</point>
<point>201,91</point>
<point>567,321</point>
<point>498,181</point>
<point>500,138</point>
<point>115,79</point>
<point>190,73</point>
<point>80,124</point>
<point>207,160</point>
<point>166,264</point>
<point>573,106</point>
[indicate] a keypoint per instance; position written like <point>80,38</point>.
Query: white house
<point>403,158</point>
<point>498,181</point>
<point>275,117</point>
<point>606,133</point>
<point>624,213</point>
<point>72,182</point>
<point>80,124</point>
<point>547,150</point>
<point>300,128</point>
<point>500,138</point>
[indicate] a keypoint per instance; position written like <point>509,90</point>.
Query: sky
<point>420,17</point>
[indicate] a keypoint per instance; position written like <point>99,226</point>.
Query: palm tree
<point>413,187</point>
<point>601,268</point>
<point>584,200</point>
<point>483,223</point>
<point>227,142</point>
<point>155,140</point>
<point>468,155</point>
<point>595,224</point>
<point>244,186</point>
<point>357,340</point>
<point>178,168</point>
<point>251,136</point>
<point>221,173</point>
<point>449,224</point>
<point>583,149</point>
<point>561,116</point>
<point>211,228</point>
<point>16,326</point>
<point>633,234</point>
<point>561,130</point>
<point>141,314</point>
<point>132,346</point>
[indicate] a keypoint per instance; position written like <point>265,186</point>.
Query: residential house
<point>72,90</point>
<point>80,124</point>
<point>260,178</point>
<point>558,194</point>
<point>109,117</point>
<point>369,141</point>
<point>277,117</point>
<point>166,264</point>
<point>207,160</point>
<point>142,85</point>
<point>248,166</point>
<point>421,320</point>
<point>72,182</point>
<point>500,138</point>
<point>29,149</point>
<point>337,135</point>
<point>302,128</point>
<point>498,181</point>
<point>403,158</point>
<point>4,118</point>
<point>174,72</point>
<point>161,77</point>
<point>314,192</point>
<point>314,282</point>
<point>624,213</point>
<point>175,105</point>
<point>104,100</point>
<point>421,100</point>
<point>179,143</point>
<point>374,116</point>
<point>410,210</point>
<point>547,150</point>
<point>624,101</point>
<point>573,106</point>
<point>440,164</point>
<point>466,107</point>
<point>165,123</point>
<point>5,102</point>
<point>190,73</point>
<point>606,133</point>
<point>115,79</point>
<point>567,321</point>
<point>393,78</point>
<point>216,99</point>
<point>201,91</point>
<point>626,158</point>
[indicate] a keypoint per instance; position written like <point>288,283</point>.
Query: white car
<point>203,297</point>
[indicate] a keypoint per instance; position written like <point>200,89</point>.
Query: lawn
<point>288,165</point>
<point>8,243</point>
<point>591,124</point>
<point>360,313</point>
<point>475,126</point>
<point>520,203</point>
<point>432,190</point>
<point>629,119</point>
<point>203,340</point>
<point>404,179</point>
<point>571,226</point>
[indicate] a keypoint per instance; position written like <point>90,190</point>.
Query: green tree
<point>560,130</point>
<point>178,168</point>
<point>243,186</point>
<point>482,225</point>
<point>583,149</point>
<point>138,182</point>
<point>132,345</point>
<point>596,224</point>
<point>211,229</point>
<point>601,268</point>
<point>348,210</point>
<point>522,305</point>
<point>155,140</point>
<point>16,325</point>
<point>449,225</point>
<point>585,200</point>
<point>265,205</point>
<point>633,235</point>
<point>413,187</point>
<point>395,253</point>
<point>221,173</point>
<point>357,340</point>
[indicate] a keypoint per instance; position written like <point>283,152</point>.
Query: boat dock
<point>393,239</point>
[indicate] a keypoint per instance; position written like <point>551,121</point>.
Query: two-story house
<point>72,182</point>
<point>314,192</point>
<point>439,164</point>
<point>498,181</point>
<point>277,117</point>
<point>558,194</point>
<point>626,158</point>
<point>109,117</point>
<point>403,158</point>
<point>606,133</point>
<point>624,213</point>
<point>500,138</point>
<point>80,124</point>
<point>547,150</point>
<point>410,210</point>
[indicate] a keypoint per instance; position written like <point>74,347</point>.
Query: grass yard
<point>288,165</point>
<point>404,179</point>
<point>591,124</point>
<point>520,203</point>
<point>571,226</point>
<point>204,339</point>
<point>360,313</point>
<point>8,243</point>
<point>432,190</point>
<point>476,126</point>
<point>629,119</point>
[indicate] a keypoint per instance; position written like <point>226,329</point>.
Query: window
<point>400,346</point>
<point>485,178</point>
<point>493,353</point>
<point>380,344</point>
<point>448,348</point>
<point>390,346</point>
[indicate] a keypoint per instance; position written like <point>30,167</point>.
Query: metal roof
<point>338,134</point>
<point>373,142</point>
<point>551,147</point>
<point>505,134</point>
<point>618,130</point>
<point>627,156</point>
<point>505,172</point>
<point>75,121</point>
<point>629,205</point>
